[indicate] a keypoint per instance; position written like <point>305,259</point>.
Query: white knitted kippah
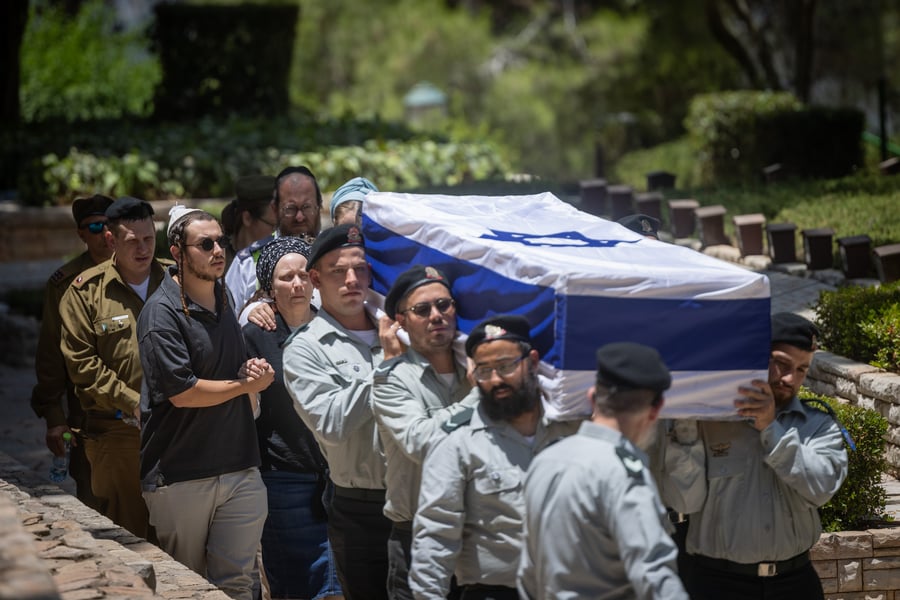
<point>176,212</point>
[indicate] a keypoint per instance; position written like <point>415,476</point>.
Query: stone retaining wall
<point>859,565</point>
<point>861,385</point>
<point>53,547</point>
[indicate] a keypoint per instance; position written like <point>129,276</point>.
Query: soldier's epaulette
<point>381,373</point>
<point>290,338</point>
<point>87,275</point>
<point>822,406</point>
<point>461,418</point>
<point>634,466</point>
<point>58,276</point>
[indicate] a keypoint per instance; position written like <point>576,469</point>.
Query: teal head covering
<point>355,189</point>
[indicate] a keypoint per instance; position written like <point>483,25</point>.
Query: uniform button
<point>495,476</point>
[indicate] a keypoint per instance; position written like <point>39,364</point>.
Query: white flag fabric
<point>582,282</point>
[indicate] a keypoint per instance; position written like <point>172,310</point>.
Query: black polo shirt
<point>181,444</point>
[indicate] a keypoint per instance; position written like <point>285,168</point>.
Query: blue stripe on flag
<point>691,335</point>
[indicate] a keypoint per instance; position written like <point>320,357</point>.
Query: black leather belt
<point>763,569</point>
<point>366,495</point>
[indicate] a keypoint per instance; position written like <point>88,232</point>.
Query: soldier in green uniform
<point>99,342</point>
<point>49,365</point>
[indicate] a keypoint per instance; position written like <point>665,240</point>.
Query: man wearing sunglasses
<point>328,367</point>
<point>199,451</point>
<point>471,504</point>
<point>50,367</point>
<point>99,341</point>
<point>412,396</point>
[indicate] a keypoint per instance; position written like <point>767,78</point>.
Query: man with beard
<point>471,504</point>
<point>297,202</point>
<point>99,342</point>
<point>413,395</point>
<point>752,487</point>
<point>595,527</point>
<point>199,452</point>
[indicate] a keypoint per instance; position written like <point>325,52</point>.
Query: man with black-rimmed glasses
<point>413,395</point>
<point>471,503</point>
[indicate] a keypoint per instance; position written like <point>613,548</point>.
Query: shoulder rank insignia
<point>381,372</point>
<point>458,420</point>
<point>58,276</point>
<point>633,465</point>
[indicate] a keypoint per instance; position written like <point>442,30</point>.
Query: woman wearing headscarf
<point>347,201</point>
<point>296,555</point>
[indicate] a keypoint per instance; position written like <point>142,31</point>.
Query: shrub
<point>862,323</point>
<point>861,498</point>
<point>725,126</point>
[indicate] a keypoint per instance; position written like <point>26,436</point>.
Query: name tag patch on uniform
<point>720,450</point>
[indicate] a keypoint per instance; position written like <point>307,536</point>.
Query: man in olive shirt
<point>50,367</point>
<point>413,395</point>
<point>99,341</point>
<point>328,368</point>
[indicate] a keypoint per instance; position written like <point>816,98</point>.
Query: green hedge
<point>862,324</point>
<point>725,126</point>
<point>861,499</point>
<point>740,133</point>
<point>393,165</point>
<point>223,59</point>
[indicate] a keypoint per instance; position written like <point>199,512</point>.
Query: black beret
<point>129,209</point>
<point>627,365</point>
<point>96,205</point>
<point>341,236</point>
<point>500,327</point>
<point>409,280</point>
<point>642,224</point>
<point>789,328</point>
<point>254,188</point>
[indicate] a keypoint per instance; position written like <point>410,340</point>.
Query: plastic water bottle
<point>59,470</point>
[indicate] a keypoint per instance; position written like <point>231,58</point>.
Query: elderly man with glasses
<point>471,503</point>
<point>412,396</point>
<point>297,202</point>
<point>50,367</point>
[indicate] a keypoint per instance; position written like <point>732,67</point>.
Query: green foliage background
<point>84,68</point>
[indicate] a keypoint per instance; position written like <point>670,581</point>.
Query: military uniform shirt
<point>49,364</point>
<point>99,337</point>
<point>328,373</point>
<point>595,527</point>
<point>471,506</point>
<point>411,403</point>
<point>753,496</point>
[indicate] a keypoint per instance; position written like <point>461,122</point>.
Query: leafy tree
<point>82,68</point>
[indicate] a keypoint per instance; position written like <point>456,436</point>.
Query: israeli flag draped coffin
<point>582,281</point>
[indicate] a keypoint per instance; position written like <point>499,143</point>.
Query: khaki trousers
<point>213,526</point>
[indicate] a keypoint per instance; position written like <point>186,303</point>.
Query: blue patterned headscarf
<point>272,253</point>
<point>355,189</point>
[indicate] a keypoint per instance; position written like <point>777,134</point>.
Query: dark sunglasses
<point>208,244</point>
<point>423,309</point>
<point>94,227</point>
